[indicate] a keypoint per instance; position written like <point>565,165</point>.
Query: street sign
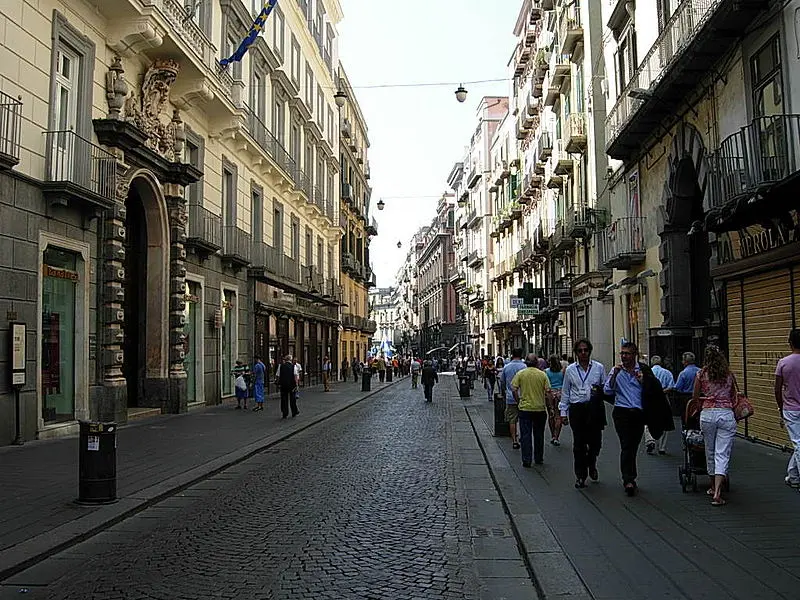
<point>529,310</point>
<point>516,301</point>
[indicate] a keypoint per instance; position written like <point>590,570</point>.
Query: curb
<point>36,549</point>
<point>549,566</point>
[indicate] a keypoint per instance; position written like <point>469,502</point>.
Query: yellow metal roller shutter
<point>735,329</point>
<point>767,320</point>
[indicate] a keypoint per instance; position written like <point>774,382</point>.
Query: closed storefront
<point>761,310</point>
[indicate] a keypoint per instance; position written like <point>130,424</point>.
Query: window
<point>228,194</point>
<point>309,247</point>
<point>200,12</point>
<point>320,108</point>
<point>59,293</point>
<point>330,263</point>
<point>320,255</point>
<point>258,92</point>
<point>229,340</point>
<point>330,126</point>
<point>277,227</point>
<point>295,61</point>
<point>193,193</point>
<point>309,88</point>
<point>295,239</point>
<point>68,66</point>
<point>309,162</point>
<point>278,119</point>
<point>229,46</point>
<point>626,58</point>
<point>767,80</point>
<point>294,143</point>
<point>257,214</point>
<point>320,180</point>
<point>277,31</point>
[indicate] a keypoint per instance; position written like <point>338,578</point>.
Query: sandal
<point>719,502</point>
<point>710,492</point>
<point>515,446</point>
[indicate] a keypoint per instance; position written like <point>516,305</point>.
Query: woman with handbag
<point>715,396</point>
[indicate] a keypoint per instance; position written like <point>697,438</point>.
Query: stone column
<point>176,205</point>
<point>113,405</point>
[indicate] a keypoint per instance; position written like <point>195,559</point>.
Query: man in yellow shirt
<point>531,388</point>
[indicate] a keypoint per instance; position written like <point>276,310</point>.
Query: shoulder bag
<point>742,408</point>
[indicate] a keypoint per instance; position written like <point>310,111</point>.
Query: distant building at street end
<point>383,307</point>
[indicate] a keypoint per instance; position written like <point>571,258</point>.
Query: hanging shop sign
<point>17,354</point>
<point>758,239</point>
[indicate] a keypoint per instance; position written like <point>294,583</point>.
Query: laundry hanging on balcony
<point>255,30</point>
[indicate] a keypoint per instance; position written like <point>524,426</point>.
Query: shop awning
<point>453,349</point>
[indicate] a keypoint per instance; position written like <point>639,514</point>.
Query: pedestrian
<point>469,369</point>
<point>380,363</point>
<point>787,396</point>
<point>429,379</point>
<point>514,366</point>
<point>288,382</point>
<point>555,375</point>
<point>489,378</point>
<point>259,377</point>
<point>298,372</point>
<point>564,362</point>
<point>355,366</point>
<point>541,364</point>
<point>415,369</point>
<point>667,382</point>
<point>714,396</point>
<point>684,385</point>
<point>583,409</point>
<point>531,388</point>
<point>240,384</point>
<point>326,373</point>
<point>344,369</point>
<point>639,400</point>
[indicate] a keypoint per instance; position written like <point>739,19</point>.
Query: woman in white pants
<point>714,395</point>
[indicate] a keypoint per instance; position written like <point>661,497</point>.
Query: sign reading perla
<point>757,239</point>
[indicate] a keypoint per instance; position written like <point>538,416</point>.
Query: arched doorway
<point>146,326</point>
<point>685,251</point>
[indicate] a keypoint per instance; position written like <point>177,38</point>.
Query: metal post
<point>18,441</point>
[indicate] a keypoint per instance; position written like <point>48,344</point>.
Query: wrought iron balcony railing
<point>205,229</point>
<point>236,244</point>
<point>78,169</point>
<point>763,153</point>
<point>10,126</point>
<point>621,245</point>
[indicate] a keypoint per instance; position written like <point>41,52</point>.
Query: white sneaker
<point>792,484</point>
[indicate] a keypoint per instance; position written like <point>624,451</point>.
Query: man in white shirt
<point>298,371</point>
<point>584,415</point>
<point>667,381</point>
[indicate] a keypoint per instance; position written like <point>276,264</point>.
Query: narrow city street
<point>363,505</point>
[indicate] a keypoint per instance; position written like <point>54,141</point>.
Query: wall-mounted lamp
<point>640,94</point>
<point>340,97</point>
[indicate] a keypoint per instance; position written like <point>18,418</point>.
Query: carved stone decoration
<point>146,111</point>
<point>177,276</point>
<point>116,88</point>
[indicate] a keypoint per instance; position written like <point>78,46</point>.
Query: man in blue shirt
<point>667,382</point>
<point>506,377</point>
<point>685,383</point>
<point>625,383</point>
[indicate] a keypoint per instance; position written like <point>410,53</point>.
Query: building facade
<point>162,217</point>
<point>703,129</point>
<point>383,305</point>
<point>438,303</point>
<point>356,276</point>
<point>469,181</point>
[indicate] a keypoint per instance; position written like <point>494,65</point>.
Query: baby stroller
<point>694,452</point>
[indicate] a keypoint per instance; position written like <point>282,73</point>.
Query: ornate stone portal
<point>148,144</point>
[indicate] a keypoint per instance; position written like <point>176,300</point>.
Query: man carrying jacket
<point>639,400</point>
<point>429,379</point>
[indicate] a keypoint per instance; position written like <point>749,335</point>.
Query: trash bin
<point>500,426</point>
<point>464,386</point>
<point>388,375</point>
<point>366,380</point>
<point>97,463</point>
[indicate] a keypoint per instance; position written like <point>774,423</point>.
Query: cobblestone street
<point>364,505</point>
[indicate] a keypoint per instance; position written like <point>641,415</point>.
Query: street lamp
<point>399,244</point>
<point>461,93</point>
<point>340,98</point>
<point>381,204</point>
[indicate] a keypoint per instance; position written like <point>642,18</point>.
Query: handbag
<point>742,408</point>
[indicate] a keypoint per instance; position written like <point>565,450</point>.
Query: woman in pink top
<point>714,395</point>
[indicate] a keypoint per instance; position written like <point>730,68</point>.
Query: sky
<point>417,134</point>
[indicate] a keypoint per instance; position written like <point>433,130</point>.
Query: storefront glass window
<point>191,329</point>
<point>228,338</point>
<point>59,283</point>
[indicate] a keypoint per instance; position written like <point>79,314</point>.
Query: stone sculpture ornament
<point>146,111</point>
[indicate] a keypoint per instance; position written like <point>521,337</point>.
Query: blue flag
<point>255,30</point>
